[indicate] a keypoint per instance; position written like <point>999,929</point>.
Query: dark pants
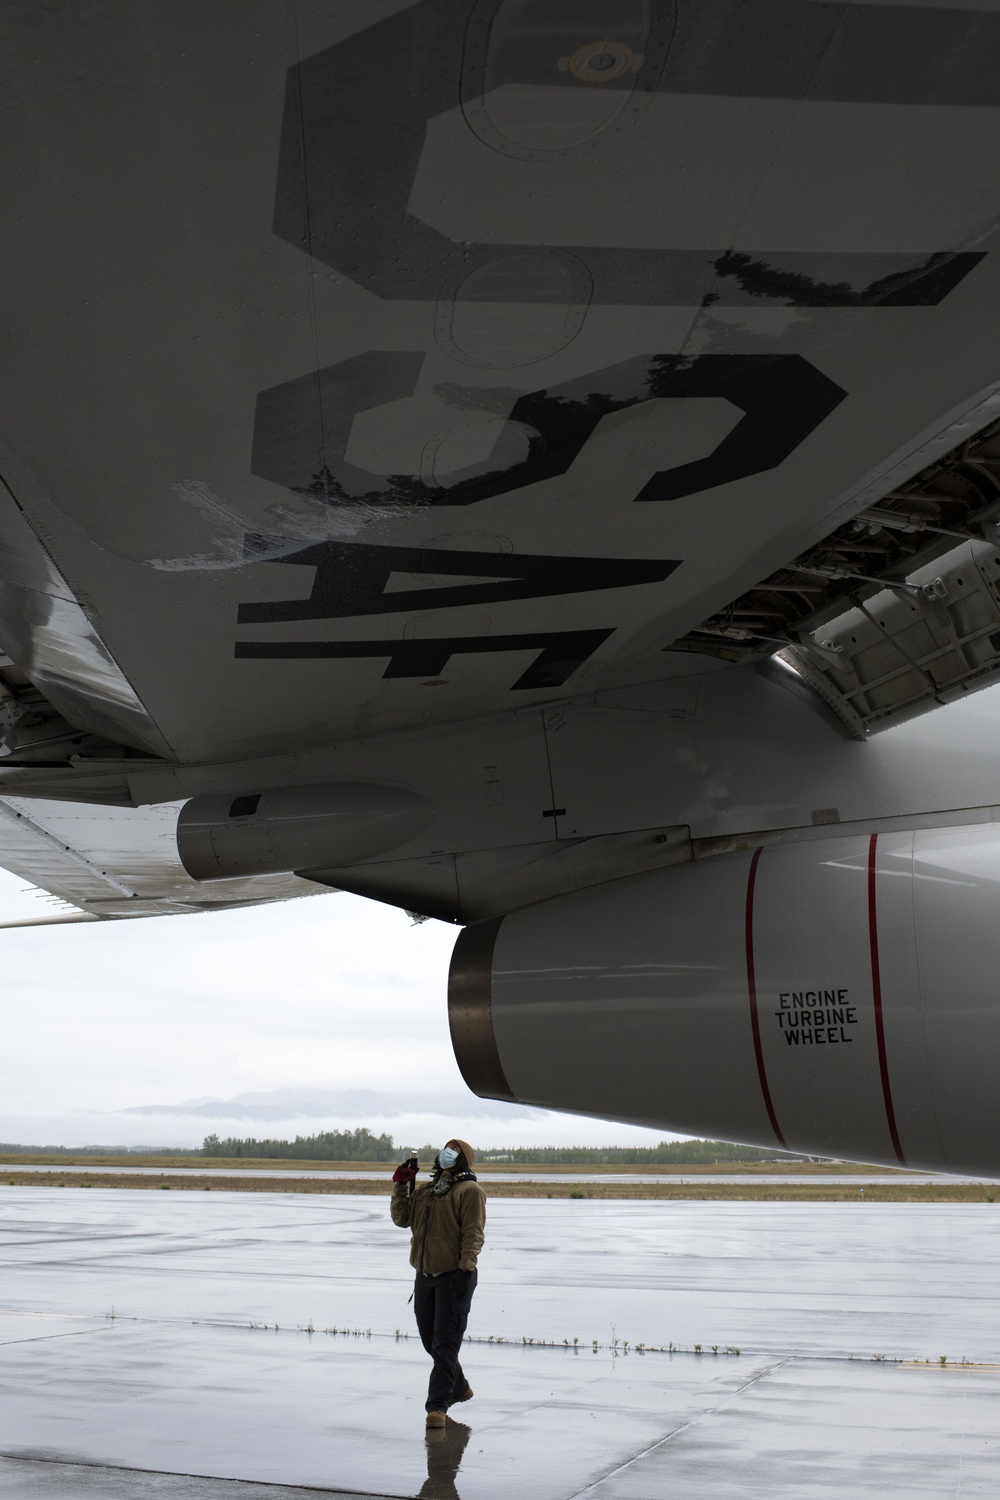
<point>442,1304</point>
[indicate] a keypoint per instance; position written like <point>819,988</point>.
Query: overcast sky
<point>333,992</point>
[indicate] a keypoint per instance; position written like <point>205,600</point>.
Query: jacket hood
<point>464,1146</point>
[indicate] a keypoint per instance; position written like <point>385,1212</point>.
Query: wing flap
<point>110,863</point>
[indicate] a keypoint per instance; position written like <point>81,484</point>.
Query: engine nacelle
<point>296,828</point>
<point>838,997</point>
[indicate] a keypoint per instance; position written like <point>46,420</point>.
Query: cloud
<point>326,998</point>
<point>355,1105</point>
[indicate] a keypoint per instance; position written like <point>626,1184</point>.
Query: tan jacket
<point>448,1232</point>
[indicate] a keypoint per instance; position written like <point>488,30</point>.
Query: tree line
<point>362,1145</point>
<point>326,1145</point>
<point>667,1153</point>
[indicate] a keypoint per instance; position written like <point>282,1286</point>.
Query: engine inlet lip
<point>470,1011</point>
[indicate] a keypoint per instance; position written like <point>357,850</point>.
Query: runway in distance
<point>535,463</point>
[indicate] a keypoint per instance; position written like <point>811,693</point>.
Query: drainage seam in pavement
<point>39,1338</point>
<point>267,1484</point>
<point>823,1356</point>
<point>367,1334</point>
<point>676,1432</point>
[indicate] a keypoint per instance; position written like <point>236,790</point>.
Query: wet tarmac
<point>197,1347</point>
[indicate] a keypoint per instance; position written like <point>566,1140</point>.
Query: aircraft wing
<point>102,863</point>
<point>374,369</point>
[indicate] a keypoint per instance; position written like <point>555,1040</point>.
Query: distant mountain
<point>356,1105</point>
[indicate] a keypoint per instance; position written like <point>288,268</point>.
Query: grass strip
<point>791,1192</point>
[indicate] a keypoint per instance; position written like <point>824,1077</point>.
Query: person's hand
<point>404,1174</point>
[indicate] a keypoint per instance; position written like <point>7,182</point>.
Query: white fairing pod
<point>295,828</point>
<point>838,997</point>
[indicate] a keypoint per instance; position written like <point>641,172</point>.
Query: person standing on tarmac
<point>446,1217</point>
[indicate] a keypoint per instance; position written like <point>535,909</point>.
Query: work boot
<point>435,1419</point>
<point>468,1395</point>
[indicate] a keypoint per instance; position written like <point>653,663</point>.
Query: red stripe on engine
<point>883,1066</point>
<point>752,992</point>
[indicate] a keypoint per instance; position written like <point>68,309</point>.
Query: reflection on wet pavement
<point>445,1447</point>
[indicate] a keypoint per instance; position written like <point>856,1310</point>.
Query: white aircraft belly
<point>152,308</point>
<point>365,384</point>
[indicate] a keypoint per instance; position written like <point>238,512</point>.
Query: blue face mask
<point>447,1158</point>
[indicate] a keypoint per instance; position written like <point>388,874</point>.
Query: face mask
<point>447,1158</point>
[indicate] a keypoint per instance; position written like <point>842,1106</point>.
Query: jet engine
<point>836,996</point>
<point>296,828</point>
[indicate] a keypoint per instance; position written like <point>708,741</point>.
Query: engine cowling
<point>837,997</point>
<point>296,828</point>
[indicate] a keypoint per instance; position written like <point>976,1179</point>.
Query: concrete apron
<point>155,1403</point>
